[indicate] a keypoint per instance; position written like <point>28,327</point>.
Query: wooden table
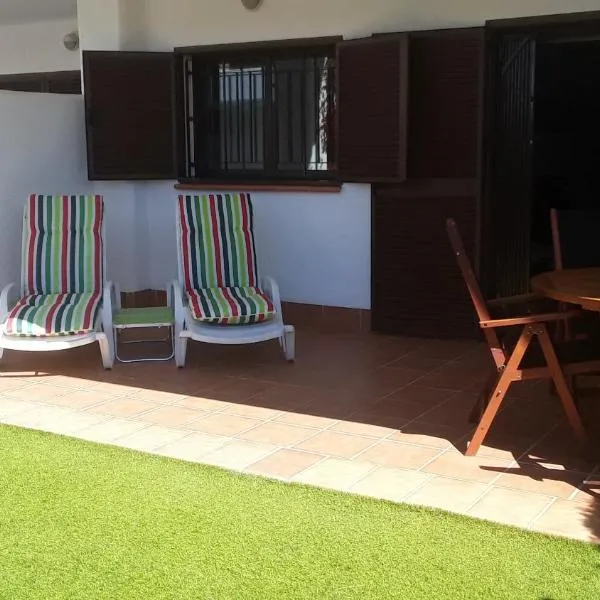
<point>572,286</point>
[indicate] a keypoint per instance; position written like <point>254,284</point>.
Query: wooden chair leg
<point>560,382</point>
<point>483,399</point>
<point>499,392</point>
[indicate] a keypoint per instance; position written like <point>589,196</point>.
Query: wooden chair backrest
<point>481,307</point>
<point>575,238</point>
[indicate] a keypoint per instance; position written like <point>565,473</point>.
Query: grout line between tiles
<point>535,519</point>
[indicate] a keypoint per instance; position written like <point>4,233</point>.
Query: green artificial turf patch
<point>83,521</point>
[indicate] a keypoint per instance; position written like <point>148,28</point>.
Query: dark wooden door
<point>508,181</point>
<point>416,287</point>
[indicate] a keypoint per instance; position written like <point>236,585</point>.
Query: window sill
<point>315,187</point>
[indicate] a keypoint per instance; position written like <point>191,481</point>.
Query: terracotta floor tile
<point>173,416</point>
<point>399,456</point>
<point>398,409</point>
<point>443,349</point>
<point>339,404</point>
<point>337,444</point>
<point>39,392</point>
<point>223,424</point>
<point>238,454</point>
<point>381,381</point>
<point>304,420</point>
<point>470,468</point>
<point>428,397</point>
<point>449,494</point>
<point>284,463</point>
<point>509,506</point>
<point>285,397</point>
<point>108,431</point>
<point>116,389</point>
<point>541,480</point>
<point>32,418</point>
<point>192,447</point>
<point>430,434</point>
<point>580,520</point>
<point>81,399</point>
<point>415,361</point>
<point>390,484</point>
<point>8,383</point>
<point>251,411</point>
<point>123,407</point>
<point>382,426</point>
<point>238,390</point>
<point>280,434</point>
<point>334,473</point>
<point>69,422</point>
<point>10,406</point>
<point>150,438</point>
<point>157,396</point>
<point>203,403</point>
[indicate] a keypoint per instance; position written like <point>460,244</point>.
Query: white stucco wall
<point>192,22</point>
<point>37,47</point>
<point>42,149</point>
<point>316,245</point>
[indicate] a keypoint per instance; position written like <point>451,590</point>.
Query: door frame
<point>557,27</point>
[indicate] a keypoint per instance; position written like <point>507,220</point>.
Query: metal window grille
<point>270,117</point>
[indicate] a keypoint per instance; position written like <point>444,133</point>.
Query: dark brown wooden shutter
<point>372,90</point>
<point>445,103</point>
<point>417,288</point>
<point>508,178</point>
<point>129,115</point>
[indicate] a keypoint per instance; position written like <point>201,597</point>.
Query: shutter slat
<point>372,92</point>
<point>129,114</point>
<point>445,103</point>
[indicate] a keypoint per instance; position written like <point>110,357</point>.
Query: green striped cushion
<point>230,305</point>
<point>62,244</point>
<point>217,241</point>
<point>53,314</point>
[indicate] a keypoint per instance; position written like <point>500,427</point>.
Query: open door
<point>507,203</point>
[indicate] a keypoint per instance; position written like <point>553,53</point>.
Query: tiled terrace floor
<point>379,416</point>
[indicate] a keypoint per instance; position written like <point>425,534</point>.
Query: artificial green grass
<point>83,521</point>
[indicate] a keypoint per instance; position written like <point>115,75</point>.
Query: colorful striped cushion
<point>217,241</point>
<point>62,244</point>
<point>53,314</point>
<point>230,305</point>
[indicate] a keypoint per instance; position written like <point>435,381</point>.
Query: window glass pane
<point>241,117</point>
<point>303,102</point>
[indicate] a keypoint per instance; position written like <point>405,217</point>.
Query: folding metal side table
<point>148,317</point>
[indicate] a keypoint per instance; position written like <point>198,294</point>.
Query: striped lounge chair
<point>61,302</point>
<point>219,297</point>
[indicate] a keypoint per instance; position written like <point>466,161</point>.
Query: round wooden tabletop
<point>572,286</point>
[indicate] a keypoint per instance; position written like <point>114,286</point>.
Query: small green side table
<point>150,317</point>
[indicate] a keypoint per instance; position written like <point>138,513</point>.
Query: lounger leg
<point>108,356</point>
<point>562,388</point>
<point>180,350</point>
<point>289,343</point>
<point>499,391</point>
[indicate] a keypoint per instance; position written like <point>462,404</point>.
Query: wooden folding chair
<point>575,246</point>
<point>509,358</point>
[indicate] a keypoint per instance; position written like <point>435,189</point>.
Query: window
<point>299,112</point>
<point>265,114</point>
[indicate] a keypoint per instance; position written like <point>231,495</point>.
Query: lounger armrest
<point>270,287</point>
<point>109,303</point>
<point>176,292</point>
<point>4,301</point>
